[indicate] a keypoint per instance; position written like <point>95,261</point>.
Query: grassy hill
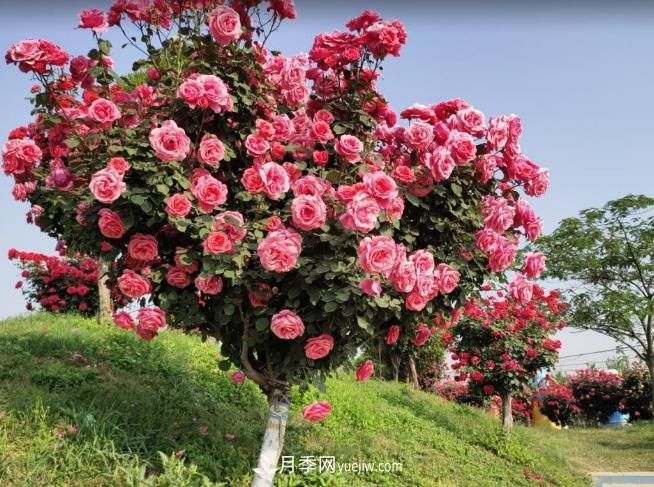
<point>82,404</point>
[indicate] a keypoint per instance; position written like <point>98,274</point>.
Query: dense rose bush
<point>57,283</point>
<point>557,402</point>
<point>598,393</point>
<point>637,387</point>
<point>239,183</point>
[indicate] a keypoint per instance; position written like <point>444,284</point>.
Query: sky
<point>580,77</point>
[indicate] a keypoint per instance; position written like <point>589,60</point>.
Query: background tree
<point>607,255</point>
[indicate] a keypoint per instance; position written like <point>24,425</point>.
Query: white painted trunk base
<point>273,441</point>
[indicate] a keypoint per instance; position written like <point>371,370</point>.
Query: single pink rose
<point>209,285</point>
<point>419,135</point>
<point>124,320</point>
<point>520,289</point>
<point>372,287</point>
<point>349,147</point>
<point>224,24</point>
<point>316,411</point>
<point>318,347</point>
<point>275,180</point>
<point>308,212</point>
<point>118,164</point>
<point>237,377</point>
<point>534,264</point>
<point>392,335</point>
<point>279,251</point>
<point>150,321</point>
<point>361,213</point>
<point>439,162</point>
<point>93,19</point>
<point>377,255</point>
<point>133,285</point>
<point>381,187</point>
<point>208,190</point>
<point>217,243</point>
<point>211,150</point>
<point>447,279</point>
<point>104,111</point>
<point>143,247</point>
<point>462,146</point>
<point>178,205</point>
<point>110,224</point>
<point>365,371</point>
<point>107,185</point>
<point>422,335</point>
<point>170,142</point>
<point>286,325</point>
<point>231,222</point>
<point>177,277</point>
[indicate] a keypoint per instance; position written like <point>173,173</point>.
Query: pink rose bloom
<point>538,185</point>
<point>308,212</point>
<point>419,135</point>
<point>124,320</point>
<point>209,285</point>
<point>446,278</point>
<point>110,224</point>
<point>497,134</point>
<point>256,145</point>
<point>224,24</point>
<point>107,185</point>
<point>486,167</point>
<point>422,335</point>
<point>320,132</point>
<point>231,222</point>
<point>502,255</point>
<point>534,264</point>
<point>104,111</point>
<point>251,180</point>
<point>211,150</point>
<point>150,320</point>
<point>372,287</point>
<point>462,147</point>
<point>392,335</point>
<point>20,156</point>
<point>217,243</point>
<point>118,164</point>
<point>316,411</point>
<point>208,190</point>
<point>361,213</point>
<point>178,205</point>
<point>309,185</point>
<point>237,377</point>
<point>177,277</point>
<point>533,228</point>
<point>440,163</point>
<point>349,147</point>
<point>279,251</point>
<point>377,255</point>
<point>275,180</point>
<point>133,285</point>
<point>471,121</point>
<point>191,90</point>
<point>320,157</point>
<point>170,142</point>
<point>259,295</point>
<point>381,187</point>
<point>205,91</point>
<point>520,288</point>
<point>143,247</point>
<point>286,325</point>
<point>318,347</point>
<point>365,371</point>
<point>499,215</point>
<point>404,276</point>
<point>414,301</point>
<point>93,19</point>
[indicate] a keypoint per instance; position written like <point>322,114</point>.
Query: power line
<point>616,349</point>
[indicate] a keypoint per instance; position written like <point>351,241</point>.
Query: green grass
<point>82,404</point>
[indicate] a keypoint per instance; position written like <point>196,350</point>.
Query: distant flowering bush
<point>637,387</point>
<point>58,284</point>
<point>558,403</point>
<point>452,390</point>
<point>598,393</point>
<point>239,186</point>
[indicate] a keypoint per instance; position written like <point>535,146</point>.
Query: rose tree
<point>505,339</point>
<point>273,202</point>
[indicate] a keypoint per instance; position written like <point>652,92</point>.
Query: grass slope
<point>82,404</point>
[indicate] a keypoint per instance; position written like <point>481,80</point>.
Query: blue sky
<point>581,79</point>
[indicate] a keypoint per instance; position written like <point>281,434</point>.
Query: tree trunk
<point>650,366</point>
<point>104,296</point>
<point>273,439</point>
<point>413,373</point>
<point>395,362</point>
<point>507,414</point>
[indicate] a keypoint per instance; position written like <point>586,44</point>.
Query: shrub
<point>598,393</point>
<point>58,284</point>
<point>637,387</point>
<point>557,403</point>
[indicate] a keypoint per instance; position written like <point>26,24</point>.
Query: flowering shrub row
<point>58,284</point>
